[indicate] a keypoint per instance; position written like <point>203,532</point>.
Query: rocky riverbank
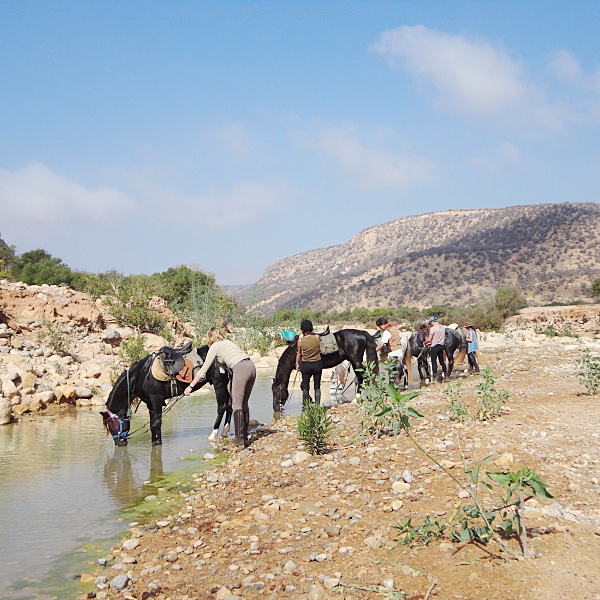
<point>277,523</point>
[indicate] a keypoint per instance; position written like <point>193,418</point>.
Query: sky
<point>227,135</point>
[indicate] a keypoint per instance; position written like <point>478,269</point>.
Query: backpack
<point>328,343</point>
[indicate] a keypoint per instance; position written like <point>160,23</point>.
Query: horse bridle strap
<point>120,423</point>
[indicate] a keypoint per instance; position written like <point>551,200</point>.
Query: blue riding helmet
<point>432,320</point>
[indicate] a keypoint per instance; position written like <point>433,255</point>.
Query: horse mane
<point>285,361</point>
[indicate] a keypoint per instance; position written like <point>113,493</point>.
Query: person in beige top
<point>244,376</point>
<point>308,361</point>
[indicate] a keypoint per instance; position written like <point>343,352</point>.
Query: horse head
<point>280,394</point>
<point>117,427</point>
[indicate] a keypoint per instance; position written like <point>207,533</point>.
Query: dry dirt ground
<point>324,528</point>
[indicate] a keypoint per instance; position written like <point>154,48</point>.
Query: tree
<point>596,287</point>
<point>509,300</point>
<point>38,266</point>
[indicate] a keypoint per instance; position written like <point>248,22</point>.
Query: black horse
<point>138,382</point>
<point>352,345</point>
<point>454,340</point>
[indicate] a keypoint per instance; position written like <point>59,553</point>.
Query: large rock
<point>28,379</point>
<point>65,394</point>
<point>5,411</point>
<point>112,336</point>
<point>154,342</point>
<point>9,389</point>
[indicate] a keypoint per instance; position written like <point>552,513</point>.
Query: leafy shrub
<point>588,371</point>
<point>313,428</point>
<point>133,349</point>
<point>491,401</point>
<point>458,410</point>
<point>55,337</point>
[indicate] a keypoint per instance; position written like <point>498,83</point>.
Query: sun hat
<point>467,324</point>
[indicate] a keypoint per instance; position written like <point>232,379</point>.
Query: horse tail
<point>371,351</point>
<point>462,348</point>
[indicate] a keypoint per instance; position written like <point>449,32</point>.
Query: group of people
<point>310,365</point>
<point>431,336</point>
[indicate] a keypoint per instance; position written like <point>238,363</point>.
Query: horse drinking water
<point>139,382</point>
<point>352,345</point>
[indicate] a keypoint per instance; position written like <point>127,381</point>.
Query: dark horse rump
<point>352,345</point>
<point>138,382</point>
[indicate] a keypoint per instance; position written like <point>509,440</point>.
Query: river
<point>63,485</point>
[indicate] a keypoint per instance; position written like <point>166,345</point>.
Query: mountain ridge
<point>451,257</point>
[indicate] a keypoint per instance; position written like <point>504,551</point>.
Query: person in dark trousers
<point>308,361</point>
<point>437,337</point>
<point>472,348</point>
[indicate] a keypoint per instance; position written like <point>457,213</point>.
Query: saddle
<point>172,362</point>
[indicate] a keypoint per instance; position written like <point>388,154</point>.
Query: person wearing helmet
<point>437,338</point>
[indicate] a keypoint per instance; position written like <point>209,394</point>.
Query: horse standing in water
<point>138,382</point>
<point>352,345</point>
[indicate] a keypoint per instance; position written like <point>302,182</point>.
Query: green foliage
<point>314,427</point>
<point>129,305</point>
<point>52,335</point>
<point>509,300</point>
<point>596,287</point>
<point>133,349</point>
<point>458,410</point>
<point>420,535</point>
<point>382,405</point>
<point>491,401</point>
<point>588,371</point>
<point>37,267</point>
<point>475,524</point>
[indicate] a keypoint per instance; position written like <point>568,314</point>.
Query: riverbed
<point>64,486</point>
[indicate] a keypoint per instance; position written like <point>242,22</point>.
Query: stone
<point>5,411</point>
<point>46,397</point>
<point>9,389</point>
<point>131,544</point>
<point>397,505</point>
<point>83,392</point>
<point>300,456</point>
<point>330,582</point>
<point>400,486</point>
<point>120,581</point>
<point>505,461</point>
<point>407,476</point>
<point>373,542</point>
<point>112,336</point>
<point>65,394</point>
<point>28,379</point>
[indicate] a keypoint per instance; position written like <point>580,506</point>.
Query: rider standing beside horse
<point>243,378</point>
<point>308,361</point>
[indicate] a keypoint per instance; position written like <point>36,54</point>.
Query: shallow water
<point>63,484</point>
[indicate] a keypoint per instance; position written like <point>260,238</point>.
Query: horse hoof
<point>157,442</point>
<point>225,431</point>
<point>213,435</point>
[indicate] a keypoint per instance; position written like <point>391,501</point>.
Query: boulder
<point>112,336</point>
<point>9,389</point>
<point>83,392</point>
<point>5,411</point>
<point>28,379</point>
<point>65,394</point>
<point>45,397</point>
<point>153,342</point>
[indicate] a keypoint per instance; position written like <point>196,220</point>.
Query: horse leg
<point>156,422</point>
<point>220,412</point>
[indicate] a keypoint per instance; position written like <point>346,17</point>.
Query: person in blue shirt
<point>472,348</point>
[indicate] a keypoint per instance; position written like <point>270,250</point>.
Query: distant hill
<point>551,251</point>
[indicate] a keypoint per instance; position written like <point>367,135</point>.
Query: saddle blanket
<point>328,344</point>
<point>157,371</point>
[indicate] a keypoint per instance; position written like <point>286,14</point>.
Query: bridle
<point>119,423</point>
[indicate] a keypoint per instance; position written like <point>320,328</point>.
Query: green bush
<point>133,349</point>
<point>588,371</point>
<point>313,428</point>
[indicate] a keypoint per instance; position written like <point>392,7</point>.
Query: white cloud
<point>505,154</point>
<point>565,66</point>
<point>371,167</point>
<point>38,196</point>
<point>237,140</point>
<point>215,208</point>
<point>470,74</point>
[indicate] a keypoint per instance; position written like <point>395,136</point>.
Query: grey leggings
<point>244,375</point>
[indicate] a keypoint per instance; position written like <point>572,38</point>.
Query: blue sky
<point>143,135</point>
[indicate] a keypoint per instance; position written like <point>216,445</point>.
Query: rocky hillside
<point>551,251</point>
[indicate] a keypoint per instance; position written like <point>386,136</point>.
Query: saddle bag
<point>328,343</point>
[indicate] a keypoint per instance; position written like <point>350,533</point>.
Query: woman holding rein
<point>308,361</point>
<point>244,375</point>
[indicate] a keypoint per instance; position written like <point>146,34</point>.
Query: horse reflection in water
<point>120,478</point>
